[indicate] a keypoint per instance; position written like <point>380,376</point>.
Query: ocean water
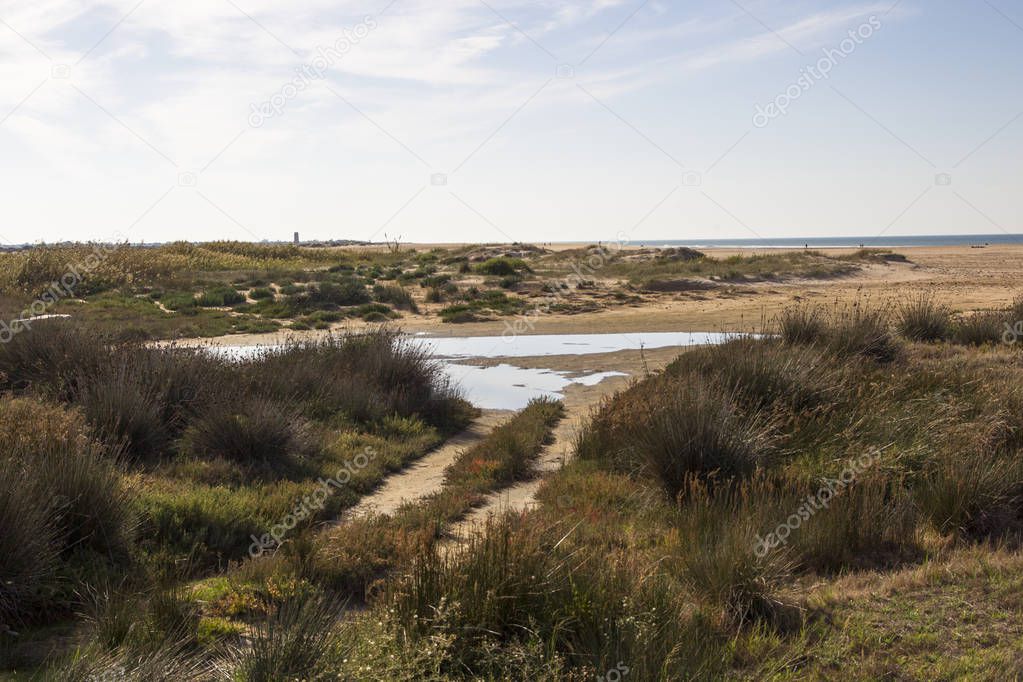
<point>886,241</point>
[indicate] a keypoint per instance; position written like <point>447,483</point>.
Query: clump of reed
<point>856,329</point>
<point>923,319</point>
<point>61,499</point>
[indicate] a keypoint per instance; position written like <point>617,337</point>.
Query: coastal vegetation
<point>184,290</point>
<point>819,502</point>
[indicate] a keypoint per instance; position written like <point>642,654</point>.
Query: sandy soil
<point>426,474</point>
<point>966,279</point>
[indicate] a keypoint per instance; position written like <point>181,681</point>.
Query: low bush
<point>861,329</point>
<point>264,293</point>
<point>460,314</point>
<point>297,641</point>
<point>61,499</point>
<point>255,432</point>
<point>973,496</point>
<point>717,554</point>
<point>979,329</point>
<point>856,329</point>
<point>869,522</point>
<point>28,550</point>
<point>515,586</point>
<point>923,319</point>
<point>803,324</point>
<point>502,267</point>
<point>125,411</point>
<point>673,429</point>
<point>761,372</point>
<point>219,297</point>
<point>507,453</point>
<point>395,295</point>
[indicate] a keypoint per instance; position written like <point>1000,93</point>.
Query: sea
<point>838,242</point>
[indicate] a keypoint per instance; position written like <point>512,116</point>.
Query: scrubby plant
<point>502,266</point>
<point>923,319</point>
<point>675,429</point>
<point>125,411</point>
<point>28,549</point>
<point>979,329</point>
<point>761,372</point>
<point>973,496</point>
<point>256,432</point>
<point>699,430</point>
<point>261,293</point>
<point>220,296</point>
<point>297,641</point>
<point>856,329</point>
<point>803,324</point>
<point>395,295</point>
<point>719,556</point>
<point>862,329</point>
<point>61,496</point>
<point>869,521</point>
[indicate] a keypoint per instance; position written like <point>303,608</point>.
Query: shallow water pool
<point>512,346</point>
<point>508,387</point>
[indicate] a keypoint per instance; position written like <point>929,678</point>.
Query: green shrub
<point>397,296</point>
<point>90,506</point>
<point>375,312</point>
<point>761,372</point>
<point>347,291</point>
<point>60,497</point>
<point>126,412</point>
<point>856,329</point>
<point>507,453</point>
<point>178,300</point>
<point>869,522</point>
<point>502,266</point>
<point>219,297</point>
<point>516,584</point>
<point>262,293</point>
<point>694,428</point>
<point>459,314</point>
<point>862,330</point>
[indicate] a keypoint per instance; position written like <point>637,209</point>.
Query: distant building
<point>296,238</point>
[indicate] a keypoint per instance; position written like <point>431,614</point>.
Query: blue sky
<point>540,120</point>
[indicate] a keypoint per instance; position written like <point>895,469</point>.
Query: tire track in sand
<point>426,474</point>
<point>520,496</point>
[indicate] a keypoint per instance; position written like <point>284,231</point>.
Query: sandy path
<point>426,474</point>
<point>522,495</point>
<point>579,400</point>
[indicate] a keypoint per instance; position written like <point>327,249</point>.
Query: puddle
<point>559,344</point>
<point>507,387</point>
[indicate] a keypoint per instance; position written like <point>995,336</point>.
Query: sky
<point>504,120</point>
